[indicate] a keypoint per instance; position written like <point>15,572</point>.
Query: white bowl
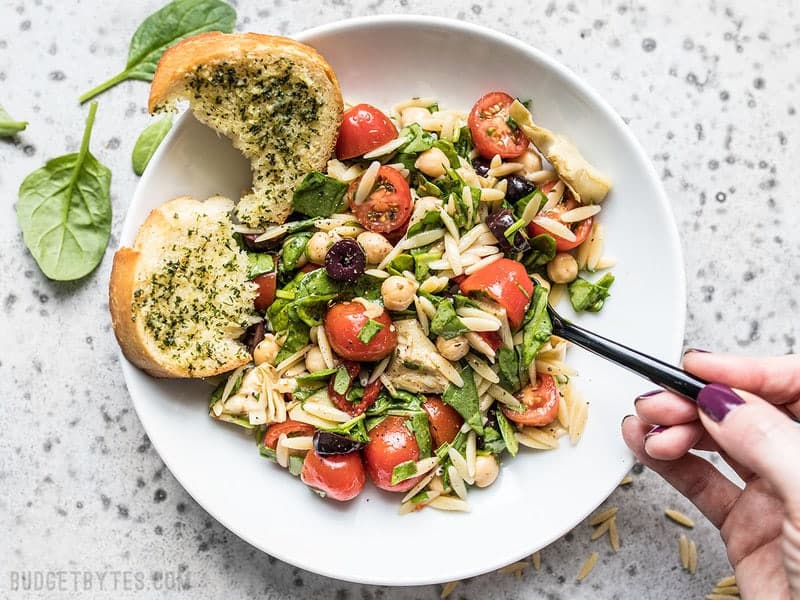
<point>539,495</point>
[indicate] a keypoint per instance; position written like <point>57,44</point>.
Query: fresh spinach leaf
<point>543,250</point>
<point>293,248</point>
<point>508,369</point>
<point>445,322</point>
<point>535,196</point>
<point>422,433</point>
<point>259,263</point>
<point>465,400</point>
<point>585,295</point>
<point>177,20</point>
<point>537,328</point>
<point>466,209</point>
<point>492,440</point>
<point>369,330</point>
<point>419,140</point>
<point>64,211</point>
<point>430,220</point>
<point>316,376</point>
<point>405,470</point>
<point>297,336</point>
<point>463,144</point>
<point>319,195</point>
<point>355,429</point>
<point>148,142</point>
<point>341,382</point>
<point>449,151</point>
<point>404,262</point>
<point>8,126</point>
<point>366,287</point>
<point>507,433</point>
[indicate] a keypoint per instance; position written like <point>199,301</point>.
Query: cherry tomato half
<point>388,205</point>
<point>490,129</point>
<point>541,402</point>
<point>390,443</point>
<point>290,428</point>
<point>344,321</point>
<point>580,229</point>
<point>266,283</point>
<point>340,476</point>
<point>364,128</point>
<point>506,282</point>
<point>444,420</point>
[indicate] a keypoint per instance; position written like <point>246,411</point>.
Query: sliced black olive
<point>253,336</point>
<point>328,444</point>
<point>481,166</point>
<point>345,260</point>
<point>249,240</point>
<point>498,222</point>
<point>518,187</point>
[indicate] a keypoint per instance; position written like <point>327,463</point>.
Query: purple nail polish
<point>717,400</point>
<point>690,350</point>
<point>647,394</point>
<point>656,429</point>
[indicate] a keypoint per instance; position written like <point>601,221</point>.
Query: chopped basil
<point>445,322</point>
<point>538,328</point>
<point>465,400</point>
<point>258,264</point>
<point>341,382</point>
<point>507,432</point>
<point>319,195</point>
<point>419,426</point>
<point>403,471</point>
<point>543,250</point>
<point>369,330</point>
<point>585,295</point>
<point>316,376</point>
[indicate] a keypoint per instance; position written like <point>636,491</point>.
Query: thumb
<point>756,434</point>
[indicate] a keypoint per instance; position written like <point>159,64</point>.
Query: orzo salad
<point>406,337</point>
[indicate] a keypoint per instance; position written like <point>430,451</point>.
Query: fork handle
<point>663,374</point>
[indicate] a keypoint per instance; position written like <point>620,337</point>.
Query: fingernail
<point>717,400</point>
<point>656,429</point>
<point>625,418</point>
<point>647,394</point>
<point>690,350</point>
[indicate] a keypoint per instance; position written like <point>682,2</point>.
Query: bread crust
<point>123,281</point>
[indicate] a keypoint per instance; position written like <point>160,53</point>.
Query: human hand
<point>753,432</point>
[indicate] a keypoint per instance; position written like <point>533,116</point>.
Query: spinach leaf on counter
<point>148,142</point>
<point>319,195</point>
<point>445,322</point>
<point>585,295</point>
<point>177,20</point>
<point>258,264</point>
<point>64,211</point>
<point>8,126</point>
<point>465,400</point>
<point>537,328</point>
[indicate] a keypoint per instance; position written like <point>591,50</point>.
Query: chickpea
<point>432,163</point>
<point>318,247</point>
<point>530,160</point>
<point>398,292</point>
<point>563,268</point>
<point>267,350</point>
<point>486,470</point>
<point>414,114</point>
<point>314,361</point>
<point>453,349</point>
<point>375,246</point>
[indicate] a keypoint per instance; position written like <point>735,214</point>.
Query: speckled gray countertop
<point>710,90</point>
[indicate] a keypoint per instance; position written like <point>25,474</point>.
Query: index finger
<point>776,379</point>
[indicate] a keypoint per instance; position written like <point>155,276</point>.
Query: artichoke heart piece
<point>585,181</point>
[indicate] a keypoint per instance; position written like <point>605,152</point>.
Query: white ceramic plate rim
<point>674,248</point>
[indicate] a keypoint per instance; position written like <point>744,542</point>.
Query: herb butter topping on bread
<point>180,298</point>
<point>278,101</point>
